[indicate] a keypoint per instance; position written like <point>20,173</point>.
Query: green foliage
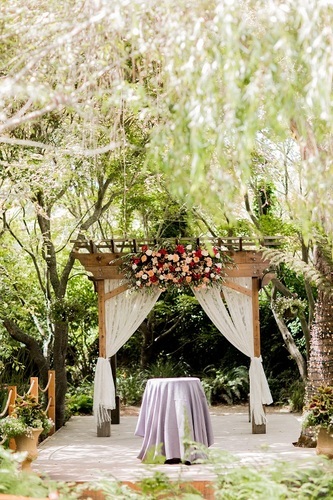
<point>226,386</point>
<point>279,481</point>
<point>299,267</point>
<point>14,482</point>
<point>130,386</point>
<point>167,368</point>
<point>289,306</point>
<point>292,394</point>
<point>79,400</point>
<point>26,414</point>
<point>131,382</point>
<point>284,386</point>
<point>319,409</point>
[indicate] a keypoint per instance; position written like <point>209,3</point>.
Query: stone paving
<point>75,453</point>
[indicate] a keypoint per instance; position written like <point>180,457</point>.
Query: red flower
<point>144,248</point>
<point>162,251</point>
<point>136,260</point>
<point>198,253</point>
<point>153,279</point>
<point>180,249</point>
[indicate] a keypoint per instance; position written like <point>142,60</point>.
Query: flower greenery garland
<point>180,266</point>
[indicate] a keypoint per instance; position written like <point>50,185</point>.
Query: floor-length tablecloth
<point>173,409</point>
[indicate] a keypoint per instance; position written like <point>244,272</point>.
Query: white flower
<point>219,265</point>
<point>212,275</point>
<point>138,283</point>
<point>149,252</point>
<point>207,269</point>
<point>217,255</point>
<point>134,266</point>
<point>144,276</point>
<point>204,253</point>
<point>188,247</point>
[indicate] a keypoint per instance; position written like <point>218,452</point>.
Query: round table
<point>174,410</point>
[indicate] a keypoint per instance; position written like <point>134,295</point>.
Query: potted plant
<point>319,414</point>
<point>25,424</point>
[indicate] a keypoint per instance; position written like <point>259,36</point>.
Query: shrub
<point>226,386</point>
<point>130,386</point>
<point>80,400</point>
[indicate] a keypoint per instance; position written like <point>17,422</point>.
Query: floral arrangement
<point>27,414</point>
<point>319,410</point>
<point>179,266</point>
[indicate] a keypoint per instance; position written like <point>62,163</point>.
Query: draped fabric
<point>235,323</point>
<point>124,314</point>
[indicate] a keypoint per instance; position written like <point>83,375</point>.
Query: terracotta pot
<point>324,443</point>
<point>28,444</point>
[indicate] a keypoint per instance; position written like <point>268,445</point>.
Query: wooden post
<point>33,391</point>
<point>115,414</point>
<point>103,430</point>
<point>101,318</point>
<point>51,399</point>
<point>261,428</point>
<point>12,390</point>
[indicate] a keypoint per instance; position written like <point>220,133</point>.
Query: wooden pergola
<point>101,260</point>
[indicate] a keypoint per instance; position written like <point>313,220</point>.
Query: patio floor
<point>75,453</point>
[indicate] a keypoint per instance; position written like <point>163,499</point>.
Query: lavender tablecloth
<point>173,409</point>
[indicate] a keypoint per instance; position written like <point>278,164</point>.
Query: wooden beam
<point>106,265</point>
<point>238,288</point>
<point>116,291</point>
<point>101,319</point>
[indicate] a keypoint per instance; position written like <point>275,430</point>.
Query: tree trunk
<point>147,345</point>
<point>286,335</point>
<point>291,345</point>
<point>320,371</point>
<point>59,361</point>
<point>35,351</point>
<point>320,364</point>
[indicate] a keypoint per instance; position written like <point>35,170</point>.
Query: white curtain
<point>235,323</point>
<point>124,313</point>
